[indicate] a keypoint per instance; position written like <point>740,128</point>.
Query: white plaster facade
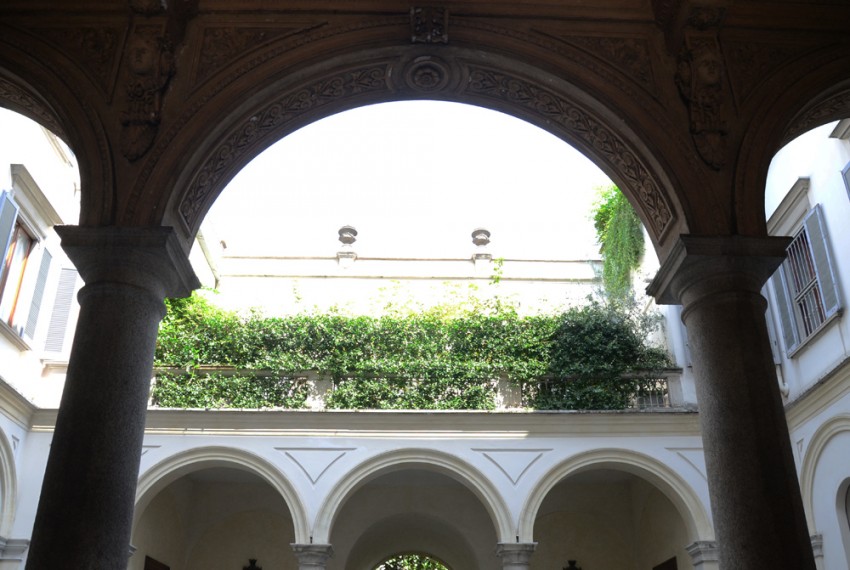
<point>621,490</point>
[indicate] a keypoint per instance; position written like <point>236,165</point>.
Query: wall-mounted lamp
<point>571,565</point>
<point>252,565</point>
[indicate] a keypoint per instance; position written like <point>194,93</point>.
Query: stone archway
<point>169,470</point>
<point>678,492</point>
<point>424,459</point>
<point>454,74</point>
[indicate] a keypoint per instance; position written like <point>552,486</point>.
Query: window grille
<point>805,287</point>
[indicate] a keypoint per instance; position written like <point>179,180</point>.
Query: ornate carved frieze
<point>221,45</point>
<point>581,123</point>
<point>149,68</point>
<point>629,55</point>
<point>23,101</point>
<point>270,119</point>
<point>835,107</point>
<point>429,25</point>
<point>701,79</point>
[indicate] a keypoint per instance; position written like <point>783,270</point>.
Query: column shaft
<point>755,495</point>
<point>85,511</point>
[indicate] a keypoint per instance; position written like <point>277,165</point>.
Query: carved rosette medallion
<point>271,120</point>
<point>608,145</point>
<point>429,25</point>
<point>427,74</point>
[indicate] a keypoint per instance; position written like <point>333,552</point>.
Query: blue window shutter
<point>38,294</point>
<point>8,216</point>
<point>816,228</point>
<point>785,308</point>
<point>61,310</point>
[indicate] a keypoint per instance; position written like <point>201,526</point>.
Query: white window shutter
<point>790,335</point>
<point>8,216</point>
<point>38,294</point>
<point>61,310</point>
<point>816,228</point>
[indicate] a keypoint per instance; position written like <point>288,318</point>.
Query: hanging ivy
<point>438,359</point>
<point>620,233</point>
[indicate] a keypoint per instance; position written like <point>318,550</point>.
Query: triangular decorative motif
<point>314,461</point>
<point>695,456</point>
<point>514,463</point>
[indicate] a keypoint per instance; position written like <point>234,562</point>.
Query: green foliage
<point>443,358</point>
<point>411,562</point>
<point>593,347</point>
<point>620,233</point>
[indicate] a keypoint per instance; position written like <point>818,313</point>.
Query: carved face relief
<point>142,56</point>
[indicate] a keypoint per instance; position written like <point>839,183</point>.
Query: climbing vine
<point>620,233</point>
<point>442,358</point>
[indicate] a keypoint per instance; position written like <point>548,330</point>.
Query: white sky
<point>414,178</point>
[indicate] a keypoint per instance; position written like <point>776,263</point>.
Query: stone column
<point>312,556</point>
<point>515,556</point>
<point>752,480</point>
<point>85,512</point>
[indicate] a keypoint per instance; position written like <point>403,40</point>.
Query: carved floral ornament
<point>431,75</point>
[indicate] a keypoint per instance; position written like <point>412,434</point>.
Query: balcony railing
<point>657,391</point>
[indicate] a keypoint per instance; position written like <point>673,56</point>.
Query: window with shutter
<point>58,327</point>
<point>804,286</point>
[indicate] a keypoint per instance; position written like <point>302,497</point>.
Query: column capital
<point>150,258</point>
<point>515,555</point>
<point>703,554</point>
<point>312,556</point>
<point>716,263</point>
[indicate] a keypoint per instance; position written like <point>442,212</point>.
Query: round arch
<point>438,461</point>
<point>669,482</point>
<point>8,485</point>
<point>820,439</point>
<point>59,98</point>
<point>167,471</point>
<point>783,110</point>
<point>249,123</point>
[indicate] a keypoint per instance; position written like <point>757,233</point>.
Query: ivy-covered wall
<point>436,359</point>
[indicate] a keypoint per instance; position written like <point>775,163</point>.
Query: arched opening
<point>608,518</point>
<point>412,509</point>
<point>214,517</point>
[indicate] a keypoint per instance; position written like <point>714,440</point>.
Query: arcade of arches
<point>682,102</point>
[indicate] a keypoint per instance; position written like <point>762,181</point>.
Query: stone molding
<point>13,548</point>
<point>700,265</point>
<point>515,556</point>
<point>704,554</point>
<point>312,556</point>
<point>148,258</point>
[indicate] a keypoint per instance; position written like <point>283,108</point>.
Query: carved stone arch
<point>31,88</point>
<point>252,122</point>
<point>8,486</point>
<point>156,478</point>
<point>439,461</point>
<point>805,95</point>
<point>683,497</point>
